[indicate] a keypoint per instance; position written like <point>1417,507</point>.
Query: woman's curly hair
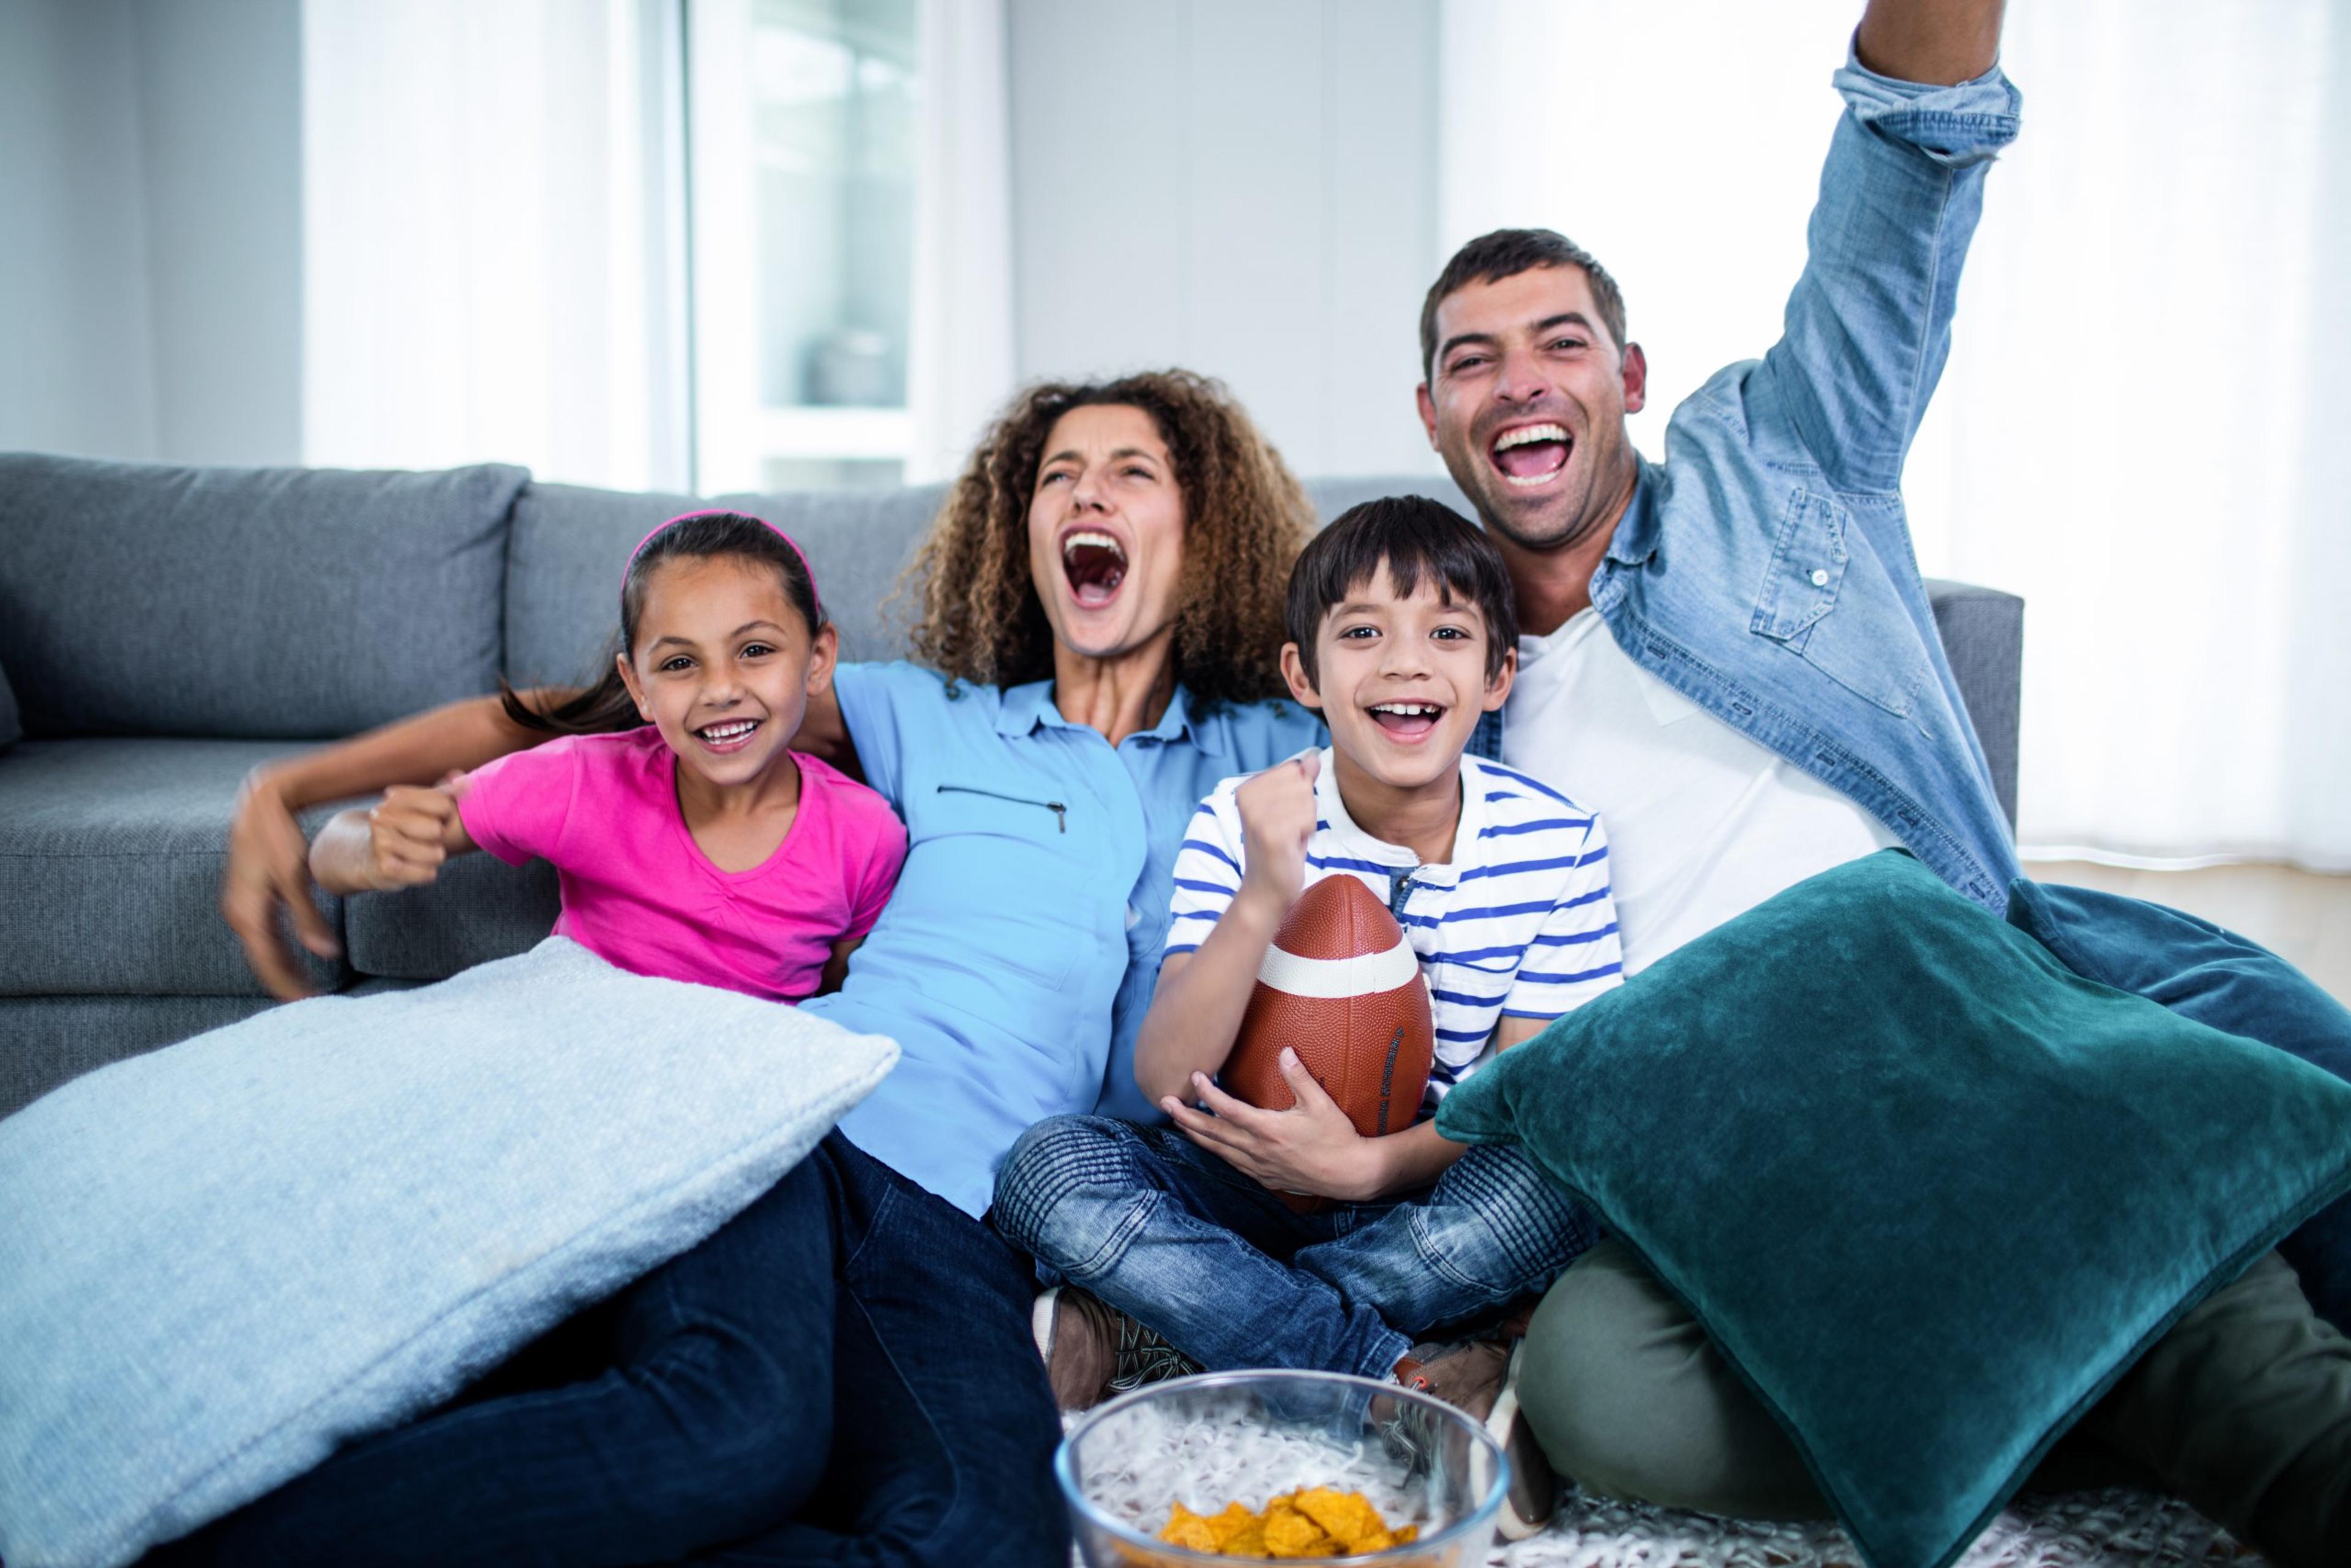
<point>1246,517</point>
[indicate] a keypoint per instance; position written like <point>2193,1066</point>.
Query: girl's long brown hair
<point>1244,520</point>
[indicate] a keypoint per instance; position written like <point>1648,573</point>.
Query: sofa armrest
<point>1983,636</point>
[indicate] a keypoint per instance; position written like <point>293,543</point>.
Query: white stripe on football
<point>1360,975</point>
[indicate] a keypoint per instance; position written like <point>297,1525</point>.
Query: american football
<point>1341,987</point>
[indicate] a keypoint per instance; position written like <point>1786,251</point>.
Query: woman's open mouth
<point>727,734</point>
<point>1095,565</point>
<point>1407,721</point>
<point>1532,454</point>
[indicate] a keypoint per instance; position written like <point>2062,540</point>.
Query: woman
<point>845,1369</point>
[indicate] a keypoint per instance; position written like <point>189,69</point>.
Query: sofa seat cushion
<point>1929,1192</point>
<point>48,1040</point>
<point>478,909</point>
<point>111,855</point>
<point>137,599</point>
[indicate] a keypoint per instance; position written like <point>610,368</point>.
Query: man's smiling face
<point>1526,402</point>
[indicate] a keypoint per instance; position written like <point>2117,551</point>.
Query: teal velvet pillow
<point>1928,1190</point>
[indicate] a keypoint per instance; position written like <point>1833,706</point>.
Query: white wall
<point>1244,189</point>
<point>150,175</point>
<point>76,372</point>
<point>221,115</point>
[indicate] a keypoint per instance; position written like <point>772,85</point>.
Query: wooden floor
<point>2302,916</point>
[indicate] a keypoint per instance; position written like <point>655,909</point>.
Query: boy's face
<point>1400,681</point>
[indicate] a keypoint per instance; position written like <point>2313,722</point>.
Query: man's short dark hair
<point>1409,535</point>
<point>1506,253</point>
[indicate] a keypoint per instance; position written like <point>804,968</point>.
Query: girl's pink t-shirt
<point>639,893</point>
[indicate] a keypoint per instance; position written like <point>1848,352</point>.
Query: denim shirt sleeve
<point>1869,324</point>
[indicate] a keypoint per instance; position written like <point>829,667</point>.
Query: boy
<point>1403,635</point>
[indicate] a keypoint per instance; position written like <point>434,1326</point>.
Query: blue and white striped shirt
<point>1518,923</point>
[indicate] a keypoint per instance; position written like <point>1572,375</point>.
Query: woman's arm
<point>268,864</point>
<point>400,843</point>
<point>836,967</point>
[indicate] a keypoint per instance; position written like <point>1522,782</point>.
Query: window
<point>802,168</point>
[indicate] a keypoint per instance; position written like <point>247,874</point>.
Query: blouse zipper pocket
<point>1060,812</point>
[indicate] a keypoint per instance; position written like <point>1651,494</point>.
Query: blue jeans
<point>842,1373</point>
<point>1232,1276</point>
<point>2218,978</point>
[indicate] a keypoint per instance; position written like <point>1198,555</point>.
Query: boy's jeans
<point>1177,1239</point>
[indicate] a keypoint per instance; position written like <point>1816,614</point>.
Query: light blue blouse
<point>1015,962</point>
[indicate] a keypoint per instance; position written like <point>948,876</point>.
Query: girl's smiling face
<point>724,664</point>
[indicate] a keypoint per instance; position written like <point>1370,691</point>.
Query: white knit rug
<point>2117,1529</point>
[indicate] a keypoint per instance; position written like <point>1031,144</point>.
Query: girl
<point>694,844</point>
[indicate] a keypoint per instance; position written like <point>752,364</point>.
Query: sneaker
<point>1093,1351</point>
<point>1481,1379</point>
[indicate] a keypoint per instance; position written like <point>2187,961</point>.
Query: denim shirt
<point>1764,570</point>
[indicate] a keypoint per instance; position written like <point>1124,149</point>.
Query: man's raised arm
<point>1937,43</point>
<point>1869,324</point>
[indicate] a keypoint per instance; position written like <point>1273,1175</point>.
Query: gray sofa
<point>164,630</point>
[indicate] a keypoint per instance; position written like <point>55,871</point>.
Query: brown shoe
<point>1093,1351</point>
<point>1468,1376</point>
<point>1481,1379</point>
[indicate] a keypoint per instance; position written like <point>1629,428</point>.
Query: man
<point>1733,656</point>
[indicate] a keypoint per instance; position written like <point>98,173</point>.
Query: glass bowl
<point>1246,1436</point>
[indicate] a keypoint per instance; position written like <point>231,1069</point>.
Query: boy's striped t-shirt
<point>1518,923</point>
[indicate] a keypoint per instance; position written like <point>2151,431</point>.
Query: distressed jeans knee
<point>1072,1193</point>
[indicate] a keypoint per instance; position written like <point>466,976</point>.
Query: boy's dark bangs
<point>1409,536</point>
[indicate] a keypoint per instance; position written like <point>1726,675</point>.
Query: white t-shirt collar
<point>1348,838</point>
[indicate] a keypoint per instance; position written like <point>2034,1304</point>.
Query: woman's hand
<point>1310,1148</point>
<point>1278,812</point>
<point>268,870</point>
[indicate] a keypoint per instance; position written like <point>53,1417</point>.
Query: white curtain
<point>959,370</point>
<point>2141,427</point>
<point>490,237</point>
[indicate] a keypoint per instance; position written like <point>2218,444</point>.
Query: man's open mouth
<point>1407,721</point>
<point>1532,454</point>
<point>727,734</point>
<point>1095,564</point>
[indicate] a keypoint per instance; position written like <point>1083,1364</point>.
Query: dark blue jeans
<point>1177,1239</point>
<point>2218,978</point>
<point>842,1373</point>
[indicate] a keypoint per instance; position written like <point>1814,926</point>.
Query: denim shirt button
<point>1820,577</point>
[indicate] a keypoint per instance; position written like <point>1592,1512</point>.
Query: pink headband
<point>797,553</point>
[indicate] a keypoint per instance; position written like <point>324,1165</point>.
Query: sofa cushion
<point>227,1256</point>
<point>110,853</point>
<point>1928,1191</point>
<point>48,1040</point>
<point>571,544</point>
<point>249,602</point>
<point>1332,496</point>
<point>478,909</point>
